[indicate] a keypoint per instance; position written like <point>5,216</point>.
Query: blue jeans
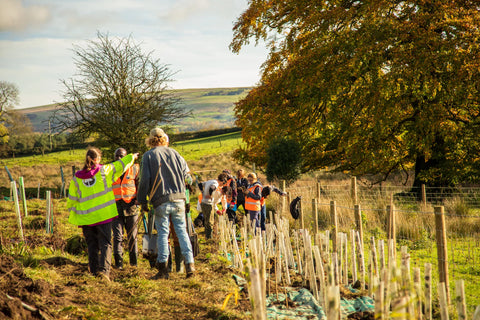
<point>254,215</point>
<point>175,211</point>
<point>263,217</point>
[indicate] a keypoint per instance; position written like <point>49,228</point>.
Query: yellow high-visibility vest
<point>92,200</point>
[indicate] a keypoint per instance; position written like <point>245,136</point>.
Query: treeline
<point>26,142</point>
<point>202,134</point>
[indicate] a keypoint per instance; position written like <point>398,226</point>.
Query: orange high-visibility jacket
<point>250,203</point>
<point>125,188</point>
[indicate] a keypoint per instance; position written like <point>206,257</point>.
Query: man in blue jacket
<point>162,179</point>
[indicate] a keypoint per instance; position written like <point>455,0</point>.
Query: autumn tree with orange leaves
<point>367,87</point>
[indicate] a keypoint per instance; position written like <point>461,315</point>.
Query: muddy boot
<point>170,263</point>
<point>162,271</point>
<point>189,269</point>
<point>118,261</point>
<point>133,259</point>
<point>178,259</point>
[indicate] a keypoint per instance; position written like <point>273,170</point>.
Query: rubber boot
<point>178,259</point>
<point>170,263</point>
<point>189,269</point>
<point>162,268</point>
<point>133,259</point>
<point>118,261</point>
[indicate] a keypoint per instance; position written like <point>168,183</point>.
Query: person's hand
<point>135,156</point>
<point>145,207</point>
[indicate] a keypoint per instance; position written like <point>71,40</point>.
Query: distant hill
<point>212,108</point>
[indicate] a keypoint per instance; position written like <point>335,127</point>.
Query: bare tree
<point>8,99</point>
<point>8,96</point>
<point>118,94</point>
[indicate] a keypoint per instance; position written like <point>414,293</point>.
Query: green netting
<point>305,306</point>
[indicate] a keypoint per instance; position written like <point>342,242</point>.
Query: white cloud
<point>14,16</point>
<point>196,47</point>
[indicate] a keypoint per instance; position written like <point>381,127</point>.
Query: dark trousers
<point>127,218</point>
<point>241,202</point>
<point>99,243</point>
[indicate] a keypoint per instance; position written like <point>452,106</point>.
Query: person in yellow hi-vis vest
<point>92,206</point>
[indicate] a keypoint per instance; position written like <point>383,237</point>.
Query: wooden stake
<point>381,249</point>
<point>361,260</point>
<point>333,216</point>
<point>354,257</point>
<point>302,218</point>
<point>424,196</point>
<point>374,256</point>
<point>345,259</point>
<point>358,220</point>
<point>391,231</point>
<point>441,239</point>
<point>315,214</point>
<point>354,190</point>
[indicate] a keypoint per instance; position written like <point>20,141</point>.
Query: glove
<point>219,212</point>
<point>234,207</point>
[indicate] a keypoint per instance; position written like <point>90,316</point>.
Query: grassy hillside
<point>45,170</point>
<point>211,108</point>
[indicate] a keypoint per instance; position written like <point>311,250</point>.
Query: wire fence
<point>415,225</point>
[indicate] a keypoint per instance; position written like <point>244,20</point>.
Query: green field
<point>191,150</point>
<point>211,108</point>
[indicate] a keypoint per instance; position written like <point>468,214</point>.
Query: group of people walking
<point>105,199</point>
<point>233,193</point>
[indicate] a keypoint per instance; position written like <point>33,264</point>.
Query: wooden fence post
<point>302,219</point>
<point>315,214</point>
<point>354,190</point>
<point>442,254</point>
<point>319,192</point>
<point>391,227</point>
<point>73,171</point>
<point>334,218</point>
<point>358,220</point>
<point>424,195</point>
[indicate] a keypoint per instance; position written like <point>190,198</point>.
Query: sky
<point>190,36</point>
